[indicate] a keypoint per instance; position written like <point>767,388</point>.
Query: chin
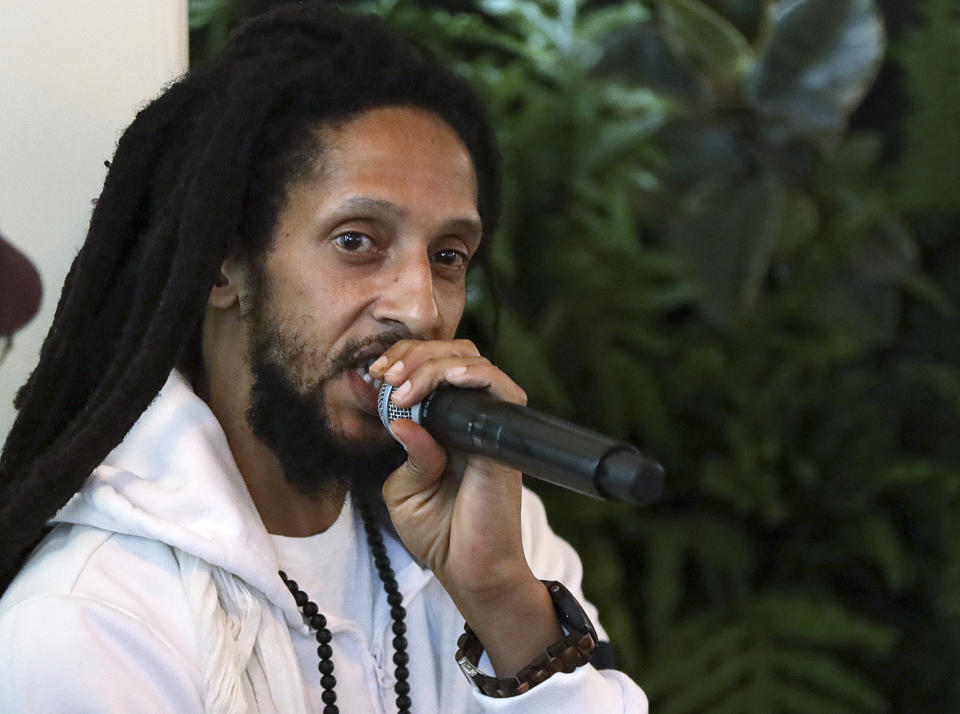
<point>362,429</point>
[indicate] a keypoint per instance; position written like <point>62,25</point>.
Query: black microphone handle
<point>540,445</point>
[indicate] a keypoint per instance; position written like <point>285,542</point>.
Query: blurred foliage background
<point>731,237</point>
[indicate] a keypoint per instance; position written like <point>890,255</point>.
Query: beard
<point>288,413</point>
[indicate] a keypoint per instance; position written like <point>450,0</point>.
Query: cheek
<point>318,311</point>
<point>451,303</point>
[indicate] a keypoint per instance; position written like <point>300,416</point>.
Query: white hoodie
<point>157,591</point>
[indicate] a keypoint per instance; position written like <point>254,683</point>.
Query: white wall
<point>72,75</point>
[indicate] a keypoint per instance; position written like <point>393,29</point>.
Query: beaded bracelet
<point>565,655</point>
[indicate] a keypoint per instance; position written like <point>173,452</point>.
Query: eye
<point>354,242</point>
<point>451,258</point>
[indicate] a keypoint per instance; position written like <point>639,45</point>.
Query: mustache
<point>355,350</point>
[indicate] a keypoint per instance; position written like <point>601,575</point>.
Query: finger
<point>412,353</point>
<point>420,475</point>
<point>393,365</point>
<point>417,382</point>
<point>391,356</point>
<point>477,373</point>
<point>485,375</point>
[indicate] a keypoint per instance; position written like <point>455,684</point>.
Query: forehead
<point>395,148</point>
<point>400,167</point>
<point>400,126</point>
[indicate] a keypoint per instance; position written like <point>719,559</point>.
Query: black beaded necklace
<point>319,623</point>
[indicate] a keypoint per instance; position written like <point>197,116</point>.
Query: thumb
<point>423,469</point>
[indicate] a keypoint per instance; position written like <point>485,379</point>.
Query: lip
<point>373,349</point>
<point>370,353</point>
<point>363,393</point>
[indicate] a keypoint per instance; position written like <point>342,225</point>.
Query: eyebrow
<point>365,204</point>
<point>369,204</point>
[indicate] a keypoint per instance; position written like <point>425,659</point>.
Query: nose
<point>408,296</point>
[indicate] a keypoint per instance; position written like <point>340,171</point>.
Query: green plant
<point>699,256</point>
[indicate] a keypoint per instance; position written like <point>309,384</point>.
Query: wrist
<point>573,649</point>
<point>515,623</point>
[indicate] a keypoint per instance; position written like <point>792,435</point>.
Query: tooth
<point>367,378</point>
<point>377,383</point>
<point>359,370</point>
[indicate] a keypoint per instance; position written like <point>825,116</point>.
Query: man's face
<point>370,250</point>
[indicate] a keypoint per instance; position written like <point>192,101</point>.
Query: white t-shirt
<point>335,569</point>
<point>337,572</point>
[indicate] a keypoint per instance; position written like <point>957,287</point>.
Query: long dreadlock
<point>199,175</point>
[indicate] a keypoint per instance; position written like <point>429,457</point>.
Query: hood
<point>173,479</point>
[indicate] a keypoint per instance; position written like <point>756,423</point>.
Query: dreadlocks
<point>199,175</point>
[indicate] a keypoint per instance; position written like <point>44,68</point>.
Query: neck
<point>283,508</point>
<point>287,512</point>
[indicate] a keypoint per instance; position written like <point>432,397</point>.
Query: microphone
<point>537,444</point>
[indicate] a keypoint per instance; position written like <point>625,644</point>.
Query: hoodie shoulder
<point>118,589</point>
<point>67,653</point>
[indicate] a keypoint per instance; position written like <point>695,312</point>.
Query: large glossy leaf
<point>641,55</point>
<point>727,234</point>
<point>715,44</point>
<point>819,59</point>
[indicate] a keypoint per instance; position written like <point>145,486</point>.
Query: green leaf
<point>926,289</point>
<point>848,693</point>
<point>727,234</point>
<point>543,29</point>
<point>526,359</point>
<point>889,253</point>
<point>930,57</point>
<point>820,622</point>
<point>720,550</point>
<point>714,660</point>
<point>880,541</point>
<point>201,13</point>
<point>600,23</point>
<point>863,314</point>
<point>791,697</point>
<point>743,660</point>
<point>819,61</point>
<point>943,380</point>
<point>715,45</point>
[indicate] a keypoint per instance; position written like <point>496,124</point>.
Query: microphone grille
<point>390,412</point>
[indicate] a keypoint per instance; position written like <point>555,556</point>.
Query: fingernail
<point>394,370</point>
<point>454,372</point>
<point>379,362</point>
<point>403,391</point>
<point>395,437</point>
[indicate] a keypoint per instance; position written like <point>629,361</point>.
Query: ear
<point>230,287</point>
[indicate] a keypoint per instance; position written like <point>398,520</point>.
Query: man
<point>289,225</point>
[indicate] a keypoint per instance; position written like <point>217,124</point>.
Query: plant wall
<point>700,255</point>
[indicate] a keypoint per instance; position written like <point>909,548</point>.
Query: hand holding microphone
<point>468,530</point>
<point>541,446</point>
